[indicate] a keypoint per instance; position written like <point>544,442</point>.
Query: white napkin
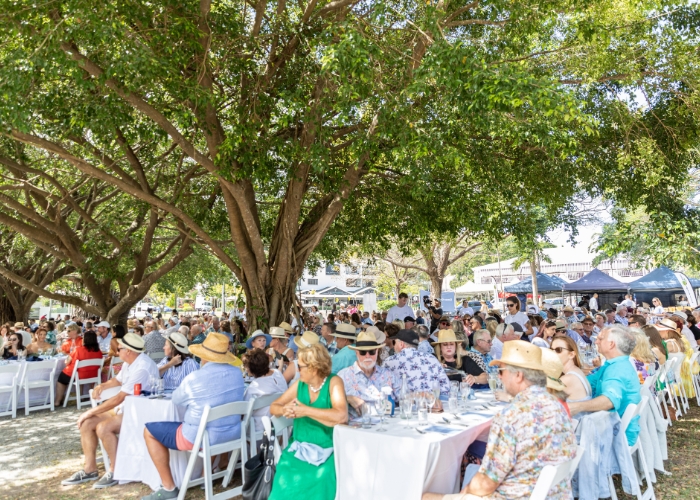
<point>310,453</point>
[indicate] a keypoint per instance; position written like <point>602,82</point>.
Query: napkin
<point>440,429</point>
<point>310,453</point>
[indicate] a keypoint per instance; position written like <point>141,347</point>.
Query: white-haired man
<point>504,333</point>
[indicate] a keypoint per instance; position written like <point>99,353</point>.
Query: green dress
<point>296,479</point>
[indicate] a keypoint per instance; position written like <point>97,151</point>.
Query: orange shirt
<point>80,354</point>
<point>69,344</point>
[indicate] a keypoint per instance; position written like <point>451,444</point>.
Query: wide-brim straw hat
<point>568,309</point>
<point>366,341</point>
<point>132,342</point>
<point>552,368</point>
<point>666,324</point>
<point>256,334</point>
<point>445,336</point>
<point>306,339</point>
<point>379,335</point>
<point>277,332</point>
<point>179,341</point>
<point>214,349</point>
<point>521,354</point>
<point>345,331</point>
<point>19,324</point>
<point>286,327</point>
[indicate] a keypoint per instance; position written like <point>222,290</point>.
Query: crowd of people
<point>554,366</point>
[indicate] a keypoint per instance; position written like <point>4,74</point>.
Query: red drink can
<point>137,389</point>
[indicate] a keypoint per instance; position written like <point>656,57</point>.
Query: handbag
<point>259,471</point>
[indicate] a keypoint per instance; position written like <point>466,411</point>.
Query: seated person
<point>13,346</point>
<point>40,343</point>
<point>74,341</point>
<point>365,379</point>
<point>577,387</point>
<point>259,340</point>
<point>529,434</point>
<point>473,362</point>
<point>89,350</point>
<point>615,384</point>
<point>420,369</point>
<point>177,363</point>
<point>265,381</point>
<point>214,384</point>
<point>104,421</point>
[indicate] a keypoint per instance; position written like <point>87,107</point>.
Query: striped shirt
<point>173,376</point>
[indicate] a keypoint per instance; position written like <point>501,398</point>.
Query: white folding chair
<point>668,392</point>
<point>554,474</point>
<point>106,394</point>
<point>156,356</point>
<point>12,374</point>
<point>256,434</point>
<point>283,427</point>
<point>203,449</point>
<point>682,394</point>
<point>116,360</point>
<point>28,383</point>
<point>76,382</point>
<point>696,382</point>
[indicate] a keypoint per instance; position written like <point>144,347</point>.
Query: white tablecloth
<point>133,461</point>
<point>401,463</point>
<point>37,395</point>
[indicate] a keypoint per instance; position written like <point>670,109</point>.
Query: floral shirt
<point>532,432</point>
<point>420,370</point>
<point>357,383</point>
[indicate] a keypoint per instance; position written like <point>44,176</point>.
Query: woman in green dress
<point>317,403</point>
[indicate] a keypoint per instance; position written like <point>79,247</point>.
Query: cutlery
<point>420,431</point>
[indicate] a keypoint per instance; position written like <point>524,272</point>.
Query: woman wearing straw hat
<point>317,403</point>
<point>177,363</point>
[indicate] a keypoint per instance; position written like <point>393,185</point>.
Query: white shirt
<point>593,303</point>
<point>628,303</point>
<point>540,342</point>
<point>397,312</point>
<point>466,310</point>
<point>689,335</point>
<point>519,317</point>
<point>104,342</point>
<point>138,372</point>
<point>263,386</point>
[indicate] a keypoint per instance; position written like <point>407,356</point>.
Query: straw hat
<point>179,341</point>
<point>552,367</point>
<point>286,327</point>
<point>379,335</point>
<point>666,324</point>
<point>568,309</point>
<point>366,341</point>
<point>259,333</point>
<point>521,354</point>
<point>277,332</point>
<point>345,331</point>
<point>132,342</point>
<point>561,325</point>
<point>445,336</point>
<point>19,324</point>
<point>214,349</point>
<point>306,339</point>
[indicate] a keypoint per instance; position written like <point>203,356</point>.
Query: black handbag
<point>259,471</point>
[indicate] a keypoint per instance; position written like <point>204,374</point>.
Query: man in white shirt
<point>504,333</point>
<point>593,303</point>
<point>401,310</point>
<point>465,309</point>
<point>628,302</point>
<point>515,315</point>
<point>104,336</point>
<point>104,421</point>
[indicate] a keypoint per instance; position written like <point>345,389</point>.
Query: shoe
<point>80,477</point>
<point>162,494</point>
<point>105,481</point>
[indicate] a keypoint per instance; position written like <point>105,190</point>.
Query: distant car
<point>168,309</point>
<point>476,304</point>
<point>556,303</point>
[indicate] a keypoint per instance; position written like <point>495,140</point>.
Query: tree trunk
<point>7,312</point>
<point>435,285</point>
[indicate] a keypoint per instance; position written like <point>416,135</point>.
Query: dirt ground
<point>39,451</point>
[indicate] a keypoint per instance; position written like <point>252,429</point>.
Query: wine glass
<point>430,400</point>
<point>382,405</point>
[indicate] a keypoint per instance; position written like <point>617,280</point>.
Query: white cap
<point>102,323</point>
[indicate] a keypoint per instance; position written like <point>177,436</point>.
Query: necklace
<point>313,389</point>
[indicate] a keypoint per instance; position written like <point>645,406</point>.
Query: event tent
<point>545,284</point>
<point>661,283</point>
<point>596,281</point>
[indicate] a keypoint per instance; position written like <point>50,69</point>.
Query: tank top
<point>586,384</point>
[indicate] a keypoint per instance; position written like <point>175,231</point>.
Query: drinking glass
<point>21,355</point>
<point>366,416</point>
<point>382,405</point>
<point>406,407</point>
<point>452,405</point>
<point>423,413</point>
<point>430,400</point>
<point>40,352</point>
<point>493,381</point>
<point>160,387</point>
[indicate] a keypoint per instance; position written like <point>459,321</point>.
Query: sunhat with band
<point>277,332</point>
<point>286,327</point>
<point>306,339</point>
<point>666,324</point>
<point>552,368</point>
<point>366,341</point>
<point>345,331</point>
<point>179,341</point>
<point>214,349</point>
<point>521,354</point>
<point>260,333</point>
<point>379,335</point>
<point>132,342</point>
<point>445,336</point>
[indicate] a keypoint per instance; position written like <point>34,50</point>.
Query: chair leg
<point>188,475</point>
<point>613,495</point>
<point>52,388</point>
<point>649,493</point>
<point>208,481</point>
<point>233,459</point>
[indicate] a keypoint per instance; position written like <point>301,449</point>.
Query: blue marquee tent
<point>545,284</point>
<point>661,279</point>
<point>596,281</point>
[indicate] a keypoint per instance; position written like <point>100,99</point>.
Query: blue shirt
<point>214,384</point>
<point>343,358</point>
<point>173,376</point>
<point>617,380</point>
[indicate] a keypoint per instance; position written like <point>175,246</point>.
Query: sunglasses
<point>558,350</point>
<point>444,323</point>
<point>511,305</point>
<point>370,352</point>
<point>487,341</point>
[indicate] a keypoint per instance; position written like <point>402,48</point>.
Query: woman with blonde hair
<point>642,357</point>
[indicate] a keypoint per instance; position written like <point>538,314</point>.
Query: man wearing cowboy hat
<point>569,314</point>
<point>616,383</point>
<point>364,380</point>
<point>420,369</point>
<point>514,460</point>
<point>214,384</point>
<point>345,337</point>
<point>103,422</point>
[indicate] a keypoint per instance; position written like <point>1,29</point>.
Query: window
<point>352,282</point>
<point>332,269</point>
<point>312,281</point>
<point>352,270</point>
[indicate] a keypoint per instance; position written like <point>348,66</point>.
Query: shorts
<point>169,434</point>
<point>63,378</point>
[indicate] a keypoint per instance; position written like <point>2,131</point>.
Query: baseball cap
<point>408,336</point>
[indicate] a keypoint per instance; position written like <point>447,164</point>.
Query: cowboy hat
<point>521,354</point>
<point>561,325</point>
<point>277,332</point>
<point>379,335</point>
<point>19,324</point>
<point>345,331</point>
<point>179,341</point>
<point>568,309</point>
<point>666,324</point>
<point>259,333</point>
<point>306,339</point>
<point>366,342</point>
<point>552,367</point>
<point>286,327</point>
<point>214,349</point>
<point>445,336</point>
<point>132,342</point>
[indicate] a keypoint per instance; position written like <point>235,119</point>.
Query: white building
<point>333,283</point>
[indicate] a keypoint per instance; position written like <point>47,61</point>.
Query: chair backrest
<point>266,400</point>
<point>667,369</point>
<point>554,474</point>
<point>281,425</point>
<point>83,363</point>
<point>156,356</point>
<point>33,366</point>
<point>651,381</point>
<point>629,414</point>
<point>106,394</point>
<point>210,414</point>
<point>15,368</point>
